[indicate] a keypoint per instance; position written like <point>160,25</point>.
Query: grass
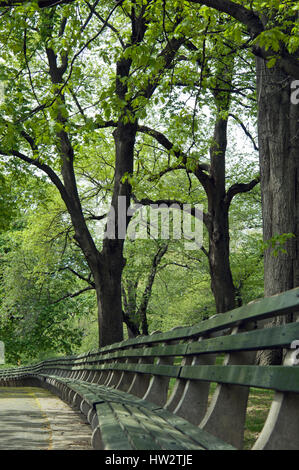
<point>259,403</point>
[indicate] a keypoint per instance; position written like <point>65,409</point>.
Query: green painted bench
<point>152,392</point>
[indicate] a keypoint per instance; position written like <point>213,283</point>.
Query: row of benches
<point>152,392</point>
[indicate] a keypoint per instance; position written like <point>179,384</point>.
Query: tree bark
<point>221,277</point>
<point>108,289</point>
<point>112,260</point>
<point>279,164</point>
<point>218,225</point>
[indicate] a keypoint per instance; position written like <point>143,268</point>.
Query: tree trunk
<point>129,297</point>
<point>142,310</point>
<point>112,261</point>
<point>221,277</point>
<point>279,162</point>
<point>108,289</point>
<point>218,226</point>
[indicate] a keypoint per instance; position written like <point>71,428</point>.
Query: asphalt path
<point>32,418</point>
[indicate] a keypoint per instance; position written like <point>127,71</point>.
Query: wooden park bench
<point>151,392</point>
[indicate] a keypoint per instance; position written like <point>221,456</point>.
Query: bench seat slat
<point>137,435</point>
<point>94,393</point>
<point>206,440</point>
<point>111,431</point>
<point>170,437</point>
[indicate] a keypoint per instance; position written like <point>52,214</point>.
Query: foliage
<point>277,243</point>
<point>35,276</point>
<point>40,260</point>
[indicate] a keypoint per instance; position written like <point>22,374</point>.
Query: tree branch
<point>286,61</point>
<point>91,283</point>
<point>168,55</point>
<point>41,3</point>
<point>203,177</point>
<point>169,202</point>
<point>237,11</point>
<point>240,188</point>
<point>41,166</point>
<point>238,120</point>
<point>75,294</point>
<point>108,24</point>
<point>168,170</point>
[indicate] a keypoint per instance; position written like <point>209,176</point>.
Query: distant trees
<point>36,272</point>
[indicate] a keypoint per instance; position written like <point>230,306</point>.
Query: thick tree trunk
<point>221,277</point>
<point>112,261</point>
<point>108,289</point>
<point>279,164</point>
<point>218,227</point>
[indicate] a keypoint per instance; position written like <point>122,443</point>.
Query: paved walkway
<point>34,419</point>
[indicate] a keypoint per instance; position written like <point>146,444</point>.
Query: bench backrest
<point>175,369</point>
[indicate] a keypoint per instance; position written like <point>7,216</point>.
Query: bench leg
<point>226,415</point>
<point>193,403</point>
<point>281,430</point>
